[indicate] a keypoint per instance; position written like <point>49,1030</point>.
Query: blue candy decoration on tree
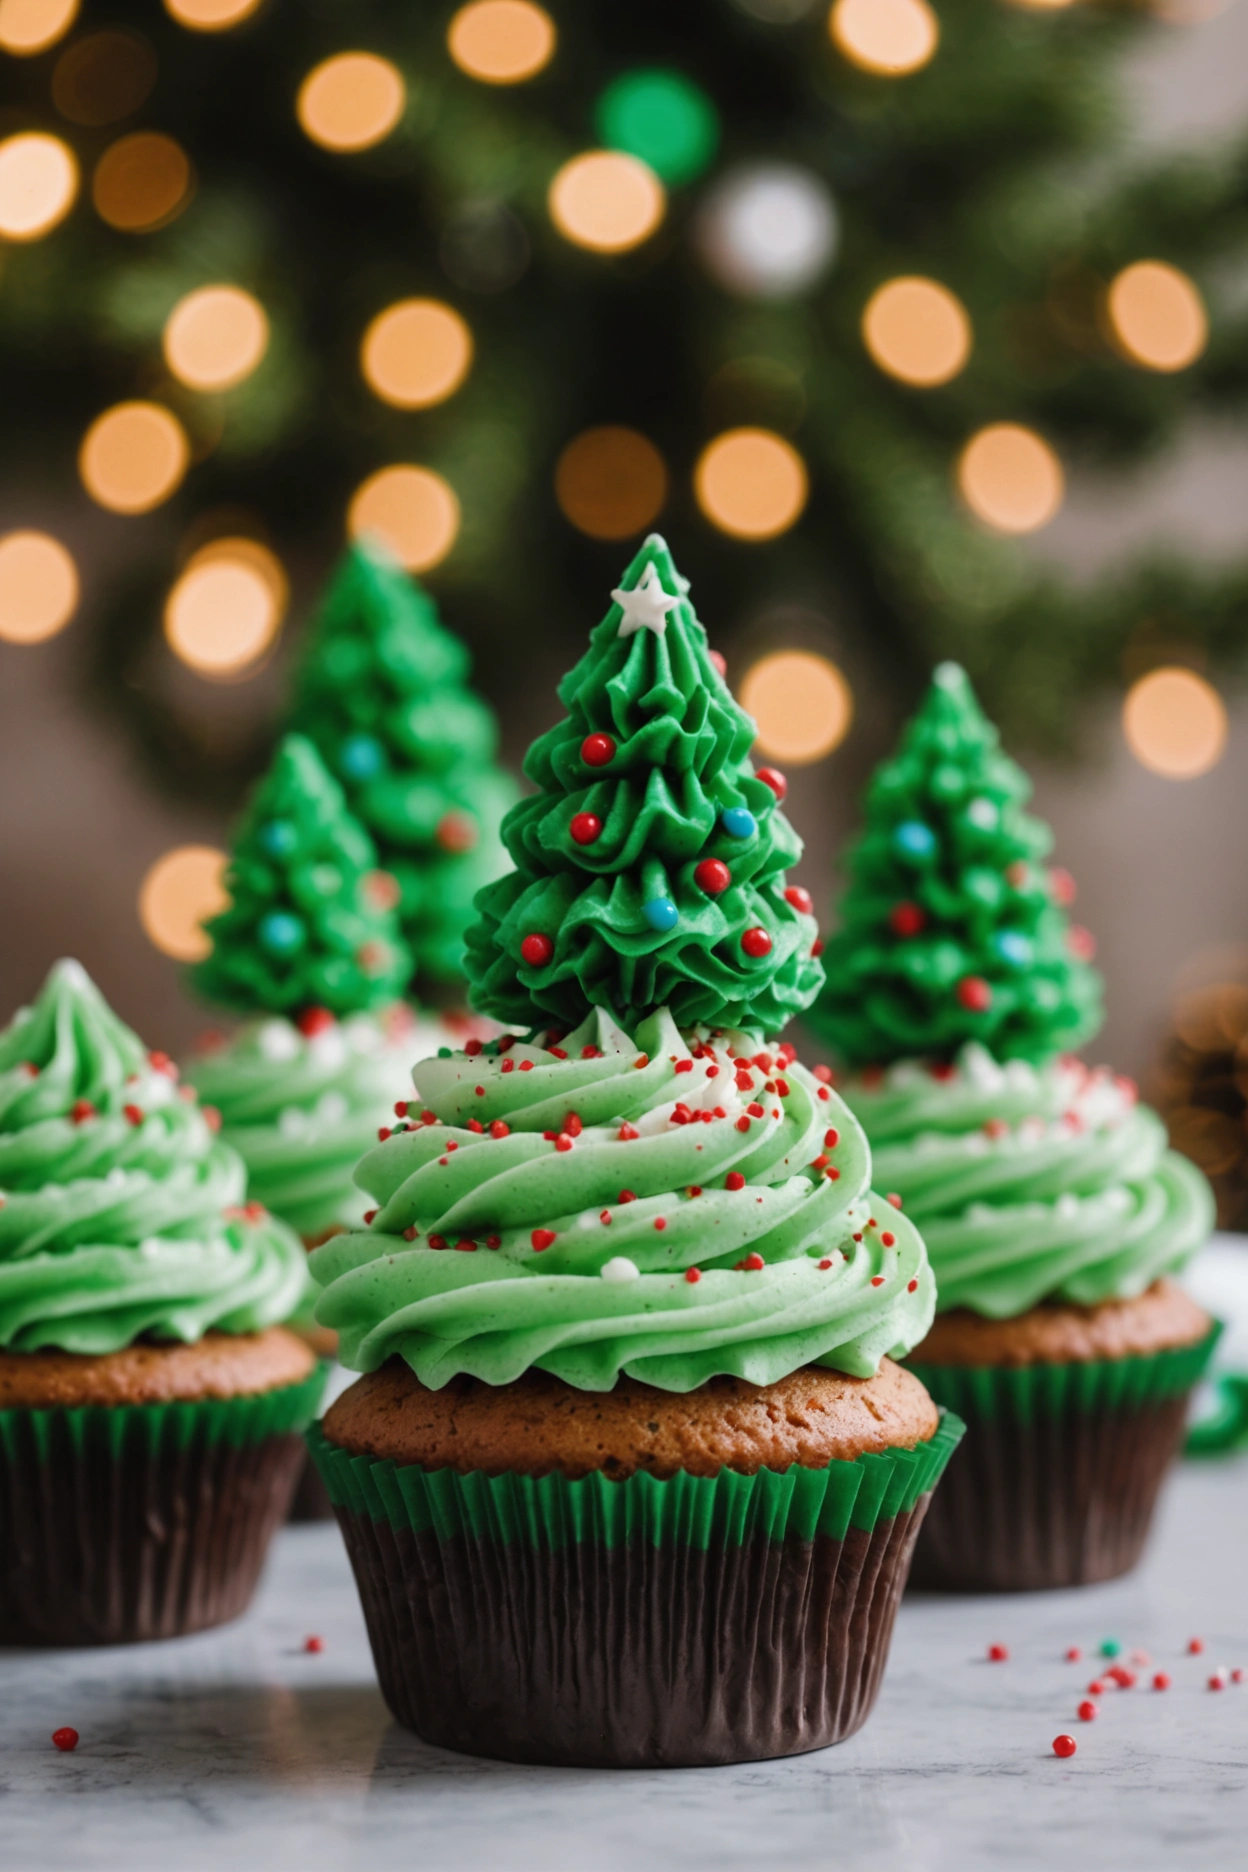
<point>1012,946</point>
<point>738,822</point>
<point>914,839</point>
<point>661,913</point>
<point>281,932</point>
<point>362,757</point>
<point>278,838</point>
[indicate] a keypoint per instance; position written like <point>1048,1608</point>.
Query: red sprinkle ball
<point>998,1653</point>
<point>597,750</point>
<point>537,949</point>
<point>585,827</point>
<point>314,1020</point>
<point>1195,1646</point>
<point>65,1739</point>
<point>1161,1681</point>
<point>542,1238</point>
<point>81,1110</point>
<point>693,1275</point>
<point>1073,1654</point>
<point>756,942</point>
<point>1064,1746</point>
<point>975,994</point>
<point>734,1180</point>
<point>800,899</point>
<point>314,1644</point>
<point>1086,1712</point>
<point>772,777</point>
<point>906,919</point>
<point>712,876</point>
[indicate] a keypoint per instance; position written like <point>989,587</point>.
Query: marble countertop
<point>240,1749</point>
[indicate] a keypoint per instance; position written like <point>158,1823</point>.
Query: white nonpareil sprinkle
<point>620,1268</point>
<point>277,1040</point>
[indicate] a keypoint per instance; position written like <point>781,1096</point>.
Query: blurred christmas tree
<point>839,294</point>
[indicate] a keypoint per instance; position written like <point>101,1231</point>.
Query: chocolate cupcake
<point>630,1478</point>
<point>1053,1212</point>
<point>150,1405</point>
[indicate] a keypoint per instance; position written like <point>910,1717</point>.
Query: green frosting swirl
<point>301,1108</point>
<point>546,1212</point>
<point>1032,1183</point>
<point>119,1216</point>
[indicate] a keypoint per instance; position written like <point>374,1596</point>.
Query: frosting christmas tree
<point>310,923</point>
<point>381,691</point>
<point>650,864</point>
<point>952,926</point>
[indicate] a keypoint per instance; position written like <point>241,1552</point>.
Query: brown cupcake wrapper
<point>143,1521</point>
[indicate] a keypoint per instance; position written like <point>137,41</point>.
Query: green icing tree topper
<point>650,864</point>
<point>381,691</point>
<point>952,927</point>
<point>310,923</point>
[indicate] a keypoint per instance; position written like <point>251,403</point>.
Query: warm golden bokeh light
<point>606,201</point>
<point>210,15</point>
<point>133,457</point>
<point>215,337</point>
<point>38,587</point>
<point>225,610</point>
<point>1175,723</point>
<point>102,77</point>
<point>30,26</point>
<point>611,482</point>
<point>801,704</point>
<point>751,483</point>
<point>501,42</point>
<point>351,101</point>
<point>38,183</point>
<point>141,181</point>
<point>1010,478</point>
<point>1158,316</point>
<point>178,895</point>
<point>413,510</point>
<point>416,353</point>
<point>917,331</point>
<point>891,37</point>
<point>1042,6</point>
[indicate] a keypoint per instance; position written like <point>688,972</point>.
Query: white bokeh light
<point>768,231</point>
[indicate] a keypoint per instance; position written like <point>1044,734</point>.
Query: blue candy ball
<point>361,757</point>
<point>278,838</point>
<point>914,839</point>
<point>1013,947</point>
<point>738,822</point>
<point>281,932</point>
<point>661,913</point>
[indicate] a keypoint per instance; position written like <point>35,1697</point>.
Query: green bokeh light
<point>662,117</point>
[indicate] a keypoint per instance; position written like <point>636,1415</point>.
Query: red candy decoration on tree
<point>773,778</point>
<point>906,919</point>
<point>796,895</point>
<point>597,750</point>
<point>712,876</point>
<point>585,827</point>
<point>537,949</point>
<point>457,832</point>
<point>756,942</point>
<point>975,994</point>
<point>314,1020</point>
<point>1062,886</point>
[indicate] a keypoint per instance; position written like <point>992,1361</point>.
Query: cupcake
<point>631,1477</point>
<point>1054,1213</point>
<point>150,1403</point>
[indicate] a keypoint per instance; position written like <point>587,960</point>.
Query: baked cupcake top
<point>120,1215</point>
<point>955,983</point>
<point>659,1191</point>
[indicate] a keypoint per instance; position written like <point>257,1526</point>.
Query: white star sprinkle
<point>646,606</point>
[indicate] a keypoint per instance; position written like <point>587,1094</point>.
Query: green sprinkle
<point>444,1052</point>
<point>1110,1647</point>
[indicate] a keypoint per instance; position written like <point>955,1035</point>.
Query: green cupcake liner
<point>1024,1393</point>
<point>550,1512</point>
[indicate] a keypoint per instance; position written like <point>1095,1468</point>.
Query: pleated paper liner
<point>640,1623</point>
<point>1058,1476</point>
<point>131,1522</point>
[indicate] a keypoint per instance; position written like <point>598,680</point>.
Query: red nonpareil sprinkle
<point>211,1117</point>
<point>912,1286</point>
<point>825,1264</point>
<point>799,898</point>
<point>824,1093</point>
<point>597,750</point>
<point>751,1264</point>
<point>1073,1654</point>
<point>734,1180</point>
<point>132,1114</point>
<point>1217,1681</point>
<point>500,1128</point>
<point>684,1065</point>
<point>627,1196</point>
<point>782,1087</point>
<point>369,1215</point>
<point>572,1125</point>
<point>1086,1712</point>
<point>506,1042</point>
<point>998,1653</point>
<point>719,1112</point>
<point>161,1063</point>
<point>493,1241</point>
<point>824,1073</point>
<point>563,1142</point>
<point>819,1163</point>
<point>509,1065</point>
<point>81,1110</point>
<point>1161,1680</point>
<point>857,1238</point>
<point>1064,1746</point>
<point>816,948</point>
<point>585,827</point>
<point>383,1132</point>
<point>537,949</point>
<point>475,1124</point>
<point>660,1222</point>
<point>627,1132</point>
<point>695,1189</point>
<point>559,1052</point>
<point>542,1238</point>
<point>743,1123</point>
<point>1237,1675</point>
<point>772,777</point>
<point>888,1240</point>
<point>401,1108</point>
<point>452,1146</point>
<point>592,1052</point>
<point>712,876</point>
<point>996,1127</point>
<point>437,1241</point>
<point>755,1110</point>
<point>756,942</point>
<point>893,1198</point>
<point>712,1072</point>
<point>604,1216</point>
<point>831,1138</point>
<point>467,1246</point>
<point>429,1117</point>
<point>254,1211</point>
<point>1096,1687</point>
<point>1195,1646</point>
<point>834,1175</point>
<point>410,1234</point>
<point>314,1644</point>
<point>692,1275</point>
<point>65,1739</point>
<point>642,1059</point>
<point>479,1091</point>
<point>473,1047</point>
<point>1124,1679</point>
<point>877,1280</point>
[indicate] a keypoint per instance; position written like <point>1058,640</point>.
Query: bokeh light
<point>917,331</point>
<point>38,587</point>
<point>662,117</point>
<point>768,230</point>
<point>211,15</point>
<point>891,37</point>
<point>1157,315</point>
<point>31,26</point>
<point>38,183</point>
<point>501,42</point>
<point>215,337</point>
<point>133,457</point>
<point>178,895</point>
<point>141,182</point>
<point>416,353</point>
<point>611,482</point>
<point>412,510</point>
<point>351,101</point>
<point>751,483</point>
<point>103,77</point>
<point>1010,478</point>
<point>1175,723</point>
<point>801,704</point>
<point>225,610</point>
<point>606,201</point>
